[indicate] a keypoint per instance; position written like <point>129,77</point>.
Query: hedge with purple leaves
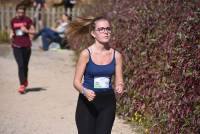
<point>160,43</point>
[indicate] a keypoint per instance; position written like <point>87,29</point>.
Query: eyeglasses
<point>104,29</point>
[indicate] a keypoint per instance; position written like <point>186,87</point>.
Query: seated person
<point>53,35</point>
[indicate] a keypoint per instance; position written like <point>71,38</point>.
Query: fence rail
<point>49,16</point>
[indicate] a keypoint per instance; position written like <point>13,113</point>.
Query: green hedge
<point>160,42</point>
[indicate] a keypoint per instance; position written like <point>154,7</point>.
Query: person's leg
<point>70,15</point>
<point>106,115</point>
<point>53,37</point>
<point>56,38</point>
<point>40,22</point>
<point>41,31</point>
<point>37,11</point>
<point>18,54</point>
<point>45,41</point>
<point>36,14</point>
<point>48,35</point>
<point>26,58</point>
<point>85,116</point>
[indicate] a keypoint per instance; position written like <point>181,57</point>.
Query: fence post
<point>2,18</point>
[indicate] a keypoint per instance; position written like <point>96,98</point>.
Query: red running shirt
<point>21,39</point>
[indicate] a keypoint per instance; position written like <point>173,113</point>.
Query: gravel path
<point>49,105</point>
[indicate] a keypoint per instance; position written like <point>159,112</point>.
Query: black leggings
<point>96,117</point>
<point>22,56</point>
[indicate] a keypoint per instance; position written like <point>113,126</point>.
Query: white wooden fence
<point>49,16</point>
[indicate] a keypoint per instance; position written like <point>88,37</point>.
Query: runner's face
<point>20,13</point>
<point>102,31</point>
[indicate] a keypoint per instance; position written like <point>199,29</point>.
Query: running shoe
<point>21,89</point>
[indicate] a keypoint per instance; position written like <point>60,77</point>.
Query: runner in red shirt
<point>22,31</point>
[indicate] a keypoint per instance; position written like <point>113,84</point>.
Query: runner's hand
<point>119,89</point>
<point>24,29</point>
<point>89,94</point>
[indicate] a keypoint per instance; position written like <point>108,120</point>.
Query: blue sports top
<point>98,77</point>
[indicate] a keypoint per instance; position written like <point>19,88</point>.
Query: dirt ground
<point>49,105</point>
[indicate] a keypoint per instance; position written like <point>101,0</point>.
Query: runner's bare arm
<point>80,68</point>
<point>119,82</point>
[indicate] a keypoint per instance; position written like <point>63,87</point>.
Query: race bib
<point>19,32</point>
<point>101,82</point>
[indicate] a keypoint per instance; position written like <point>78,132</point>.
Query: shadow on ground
<point>35,89</point>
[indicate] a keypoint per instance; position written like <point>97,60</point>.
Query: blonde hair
<point>83,25</point>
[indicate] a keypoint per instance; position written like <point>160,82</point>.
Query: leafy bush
<point>160,42</point>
